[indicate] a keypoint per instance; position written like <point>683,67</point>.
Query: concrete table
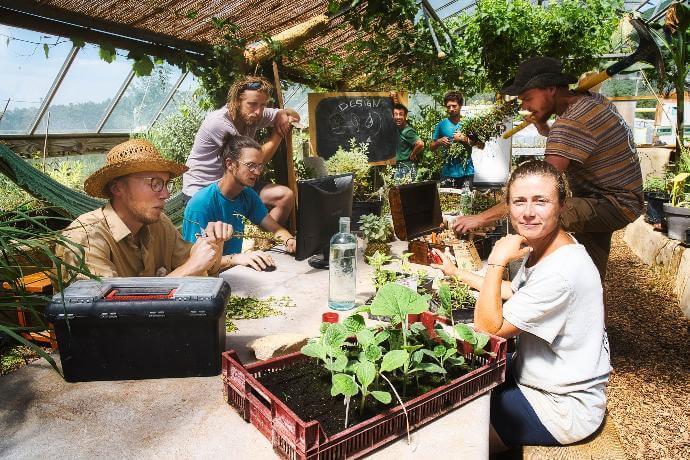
<point>42,415</point>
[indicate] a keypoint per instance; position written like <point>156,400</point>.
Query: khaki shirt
<point>112,251</point>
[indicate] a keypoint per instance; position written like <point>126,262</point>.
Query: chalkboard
<point>335,118</point>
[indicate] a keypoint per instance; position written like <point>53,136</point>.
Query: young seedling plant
<point>359,357</point>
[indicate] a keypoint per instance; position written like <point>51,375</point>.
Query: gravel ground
<point>649,391</point>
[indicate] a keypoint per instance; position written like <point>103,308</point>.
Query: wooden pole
<point>287,141</point>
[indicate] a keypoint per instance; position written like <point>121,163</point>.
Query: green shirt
<point>408,137</point>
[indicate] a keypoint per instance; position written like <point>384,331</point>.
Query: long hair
<point>240,86</point>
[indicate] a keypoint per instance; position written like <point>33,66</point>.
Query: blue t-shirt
<point>452,167</point>
<point>209,205</point>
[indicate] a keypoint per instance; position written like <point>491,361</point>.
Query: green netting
<point>72,202</point>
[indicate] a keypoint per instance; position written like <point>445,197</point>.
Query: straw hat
<point>135,155</point>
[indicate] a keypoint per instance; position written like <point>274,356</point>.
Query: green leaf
<point>343,384</point>
<point>482,340</point>
<point>450,352</point>
<point>335,335</point>
<point>418,356</point>
<point>107,53</point>
<point>315,350</point>
<point>382,396</point>
<point>372,352</point>
<point>447,338</point>
<point>77,42</point>
<point>338,364</point>
<point>365,372</point>
<point>444,296</point>
<point>397,302</point>
<point>456,360</point>
<point>466,334</point>
<point>381,337</point>
<point>142,66</point>
<point>439,351</point>
<point>46,48</point>
<point>431,368</point>
<point>365,337</point>
<point>354,323</point>
<point>393,360</point>
<point>417,328</point>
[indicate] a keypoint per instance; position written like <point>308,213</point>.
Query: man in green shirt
<point>409,145</point>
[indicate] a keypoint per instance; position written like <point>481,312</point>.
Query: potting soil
<point>305,388</point>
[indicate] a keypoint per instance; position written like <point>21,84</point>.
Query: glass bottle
<point>342,268</point>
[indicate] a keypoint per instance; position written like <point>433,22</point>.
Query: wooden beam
<point>286,147</point>
<point>63,144</point>
<point>59,22</point>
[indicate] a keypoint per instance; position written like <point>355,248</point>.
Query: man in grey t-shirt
<point>244,114</point>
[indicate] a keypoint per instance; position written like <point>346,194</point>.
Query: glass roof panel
<point>26,75</point>
<point>142,100</point>
<point>85,93</point>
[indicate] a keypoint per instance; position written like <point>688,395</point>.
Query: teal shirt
<point>452,167</point>
<point>210,205</point>
<point>408,137</point>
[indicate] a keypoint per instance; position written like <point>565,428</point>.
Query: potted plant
<point>655,195</point>
<point>455,302</point>
<point>377,231</point>
<point>380,374</point>
<point>354,159</point>
<point>677,212</point>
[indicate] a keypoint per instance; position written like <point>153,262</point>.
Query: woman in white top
<point>554,389</point>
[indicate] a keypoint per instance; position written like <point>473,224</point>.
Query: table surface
<point>41,414</point>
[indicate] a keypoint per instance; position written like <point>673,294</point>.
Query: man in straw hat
<point>232,198</point>
<point>130,235</point>
<point>591,143</point>
<point>244,114</point>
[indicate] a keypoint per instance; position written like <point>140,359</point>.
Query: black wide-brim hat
<point>537,72</point>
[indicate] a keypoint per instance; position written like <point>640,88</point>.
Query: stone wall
<point>657,250</point>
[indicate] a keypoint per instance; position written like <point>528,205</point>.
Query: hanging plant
<point>485,126</point>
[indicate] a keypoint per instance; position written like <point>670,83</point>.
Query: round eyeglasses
<point>254,167</point>
<point>157,184</point>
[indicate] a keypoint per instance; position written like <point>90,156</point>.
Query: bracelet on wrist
<point>505,267</point>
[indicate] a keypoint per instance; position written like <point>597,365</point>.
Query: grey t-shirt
<point>562,360</point>
<point>204,162</point>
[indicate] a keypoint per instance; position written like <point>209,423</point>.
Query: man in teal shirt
<point>409,144</point>
<point>458,169</point>
<point>232,198</point>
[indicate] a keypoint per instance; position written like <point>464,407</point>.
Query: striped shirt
<point>604,162</point>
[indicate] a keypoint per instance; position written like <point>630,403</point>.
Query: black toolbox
<point>137,328</point>
<point>416,212</point>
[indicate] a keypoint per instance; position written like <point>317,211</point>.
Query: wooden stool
<point>603,444</point>
<point>37,283</point>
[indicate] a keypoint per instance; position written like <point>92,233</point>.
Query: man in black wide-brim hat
<point>591,143</point>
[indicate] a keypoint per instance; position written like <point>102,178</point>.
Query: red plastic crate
<point>296,439</point>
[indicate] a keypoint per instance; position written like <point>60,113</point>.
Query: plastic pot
<point>677,221</point>
<point>655,206</point>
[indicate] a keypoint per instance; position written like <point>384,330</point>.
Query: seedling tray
<point>297,439</point>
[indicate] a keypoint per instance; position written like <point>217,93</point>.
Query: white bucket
<point>492,163</point>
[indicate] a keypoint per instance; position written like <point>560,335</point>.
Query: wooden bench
<point>37,283</point>
<point>604,444</point>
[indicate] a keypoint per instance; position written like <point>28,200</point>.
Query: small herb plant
<point>654,184</point>
<point>481,128</point>
<point>353,160</point>
<point>377,231</point>
<point>370,362</point>
<point>454,295</point>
